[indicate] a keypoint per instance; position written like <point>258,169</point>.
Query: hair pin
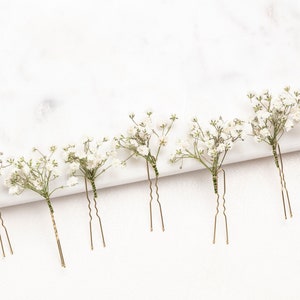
<point>274,116</point>
<point>210,147</point>
<point>145,140</point>
<point>90,162</point>
<point>37,175</point>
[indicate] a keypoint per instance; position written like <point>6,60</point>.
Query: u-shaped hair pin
<point>209,147</point>
<point>91,217</point>
<point>7,238</point>
<point>145,141</point>
<point>157,199</point>
<point>284,191</point>
<point>272,118</point>
<point>224,208</point>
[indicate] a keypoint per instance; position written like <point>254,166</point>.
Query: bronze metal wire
<point>284,191</point>
<point>62,261</point>
<point>151,195</point>
<point>90,214</point>
<point>100,223</point>
<point>151,199</point>
<point>224,209</point>
<point>7,237</point>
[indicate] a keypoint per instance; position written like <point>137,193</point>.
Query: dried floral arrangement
<point>89,161</point>
<point>37,174</point>
<point>209,146</point>
<point>145,140</point>
<point>272,118</point>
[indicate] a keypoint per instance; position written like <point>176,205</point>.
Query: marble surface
<point>74,68</point>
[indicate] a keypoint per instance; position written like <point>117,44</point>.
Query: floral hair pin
<point>274,116</point>
<point>89,162</point>
<point>145,141</point>
<point>2,223</point>
<point>38,176</point>
<point>209,147</point>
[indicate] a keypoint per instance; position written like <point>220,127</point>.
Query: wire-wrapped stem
<point>97,211</point>
<point>215,181</point>
<point>56,233</point>
<point>275,155</point>
<point>7,237</point>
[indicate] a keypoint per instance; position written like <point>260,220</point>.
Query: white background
<point>69,68</point>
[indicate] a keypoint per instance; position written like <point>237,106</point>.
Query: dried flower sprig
<point>2,166</point>
<point>145,141</point>
<point>89,161</point>
<point>210,147</point>
<point>273,117</point>
<point>37,175</point>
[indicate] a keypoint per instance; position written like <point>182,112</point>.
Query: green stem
<point>215,181</point>
<point>94,188</point>
<point>155,170</point>
<point>275,154</point>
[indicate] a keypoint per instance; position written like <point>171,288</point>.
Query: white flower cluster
<point>91,160</point>
<point>273,116</point>
<point>139,138</point>
<point>33,174</point>
<point>209,146</point>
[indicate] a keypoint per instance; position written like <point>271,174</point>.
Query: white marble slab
<point>74,68</point>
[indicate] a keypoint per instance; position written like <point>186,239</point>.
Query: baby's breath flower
<point>183,145</point>
<point>274,116</point>
<point>143,150</point>
<point>14,190</point>
<point>140,138</point>
<point>26,173</point>
<point>221,148</point>
<point>73,180</point>
<point>264,133</point>
<point>163,141</point>
<point>91,159</point>
<point>289,124</point>
<point>74,166</point>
